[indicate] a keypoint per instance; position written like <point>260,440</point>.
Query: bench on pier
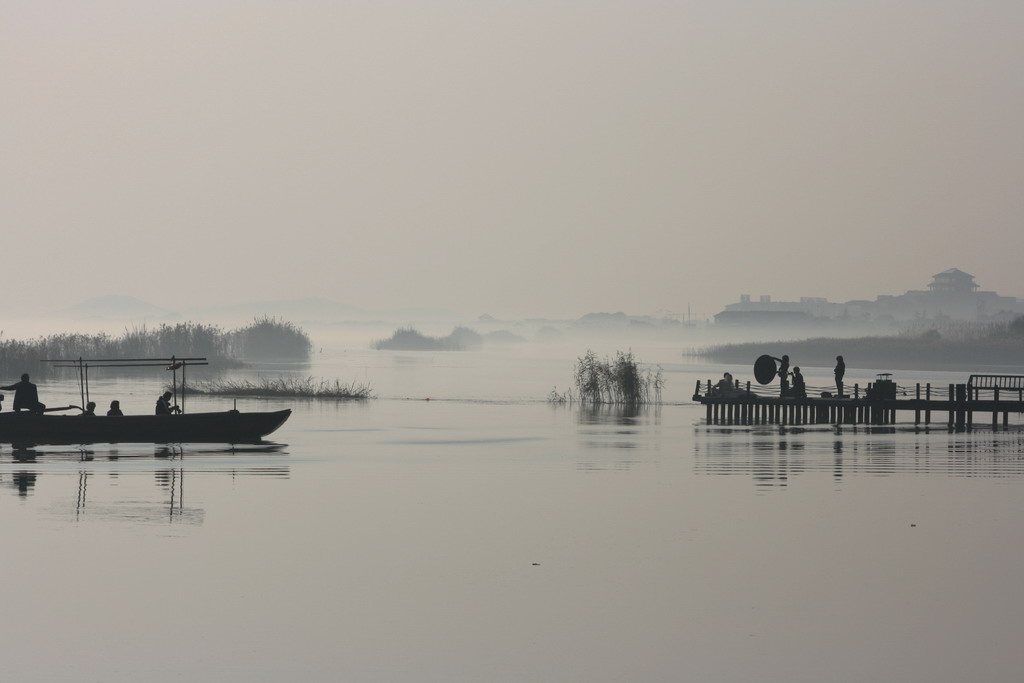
<point>995,383</point>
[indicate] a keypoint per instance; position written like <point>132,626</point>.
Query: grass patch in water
<point>282,387</point>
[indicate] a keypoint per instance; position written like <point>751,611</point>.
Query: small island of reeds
<point>409,339</point>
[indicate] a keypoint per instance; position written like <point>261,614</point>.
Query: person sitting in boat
<point>115,409</point>
<point>25,395</point>
<point>799,389</point>
<point>90,409</point>
<point>163,405</point>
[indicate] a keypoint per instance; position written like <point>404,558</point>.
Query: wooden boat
<point>230,426</point>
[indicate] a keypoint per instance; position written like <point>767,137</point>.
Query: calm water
<point>485,535</point>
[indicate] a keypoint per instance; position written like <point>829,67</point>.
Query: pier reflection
<point>774,457</point>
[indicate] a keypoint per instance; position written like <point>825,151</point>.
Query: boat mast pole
<point>183,392</point>
<point>81,380</point>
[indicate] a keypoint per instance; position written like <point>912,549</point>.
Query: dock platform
<point>983,400</point>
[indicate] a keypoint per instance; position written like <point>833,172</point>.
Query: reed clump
<point>618,382</point>
<point>281,387</point>
<point>270,338</point>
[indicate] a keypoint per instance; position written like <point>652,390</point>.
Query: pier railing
<point>876,404</point>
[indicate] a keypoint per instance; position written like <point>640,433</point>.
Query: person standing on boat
<point>25,395</point>
<point>115,409</point>
<point>163,405</point>
<point>840,373</point>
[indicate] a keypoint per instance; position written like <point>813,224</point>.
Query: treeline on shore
<point>952,346</point>
<point>264,339</point>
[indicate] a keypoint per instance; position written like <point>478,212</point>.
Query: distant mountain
<point>293,310</point>
<point>316,310</point>
<point>115,306</point>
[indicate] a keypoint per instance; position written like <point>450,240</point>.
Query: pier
<point>983,400</point>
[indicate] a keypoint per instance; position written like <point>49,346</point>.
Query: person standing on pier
<point>783,374</point>
<point>840,372</point>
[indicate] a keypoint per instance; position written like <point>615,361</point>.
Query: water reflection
<point>773,457</point>
<point>623,432</point>
<point>140,484</point>
<point>21,481</point>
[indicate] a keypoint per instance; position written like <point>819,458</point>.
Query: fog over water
<point>518,159</point>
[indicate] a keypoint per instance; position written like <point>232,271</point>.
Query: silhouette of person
<point>840,372</point>
<point>799,388</point>
<point>25,395</point>
<point>783,374</point>
<point>115,409</point>
<point>725,385</point>
<point>90,409</point>
<point>163,405</point>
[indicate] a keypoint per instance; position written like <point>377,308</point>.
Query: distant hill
<point>299,310</point>
<point>313,310</point>
<point>117,306</point>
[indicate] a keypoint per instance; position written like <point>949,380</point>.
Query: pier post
<point>952,407</point>
<point>928,403</point>
<point>961,407</point>
<point>917,407</point>
<point>995,411</point>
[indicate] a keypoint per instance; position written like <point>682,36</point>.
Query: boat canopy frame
<point>173,363</point>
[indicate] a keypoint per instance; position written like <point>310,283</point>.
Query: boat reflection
<point>21,481</point>
<point>136,485</point>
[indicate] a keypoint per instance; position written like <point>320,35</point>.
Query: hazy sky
<point>513,157</point>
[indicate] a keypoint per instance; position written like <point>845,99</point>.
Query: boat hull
<point>225,427</point>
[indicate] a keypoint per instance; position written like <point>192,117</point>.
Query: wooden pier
<point>984,399</point>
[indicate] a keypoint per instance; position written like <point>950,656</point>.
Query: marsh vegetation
<point>616,382</point>
<point>289,387</point>
<point>266,338</point>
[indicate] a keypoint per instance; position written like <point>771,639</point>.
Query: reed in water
<point>290,387</point>
<point>618,382</point>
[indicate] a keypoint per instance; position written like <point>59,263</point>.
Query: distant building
<point>765,311</point>
<point>952,295</point>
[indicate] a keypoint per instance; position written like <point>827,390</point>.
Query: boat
<point>44,428</point>
<point>231,426</point>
